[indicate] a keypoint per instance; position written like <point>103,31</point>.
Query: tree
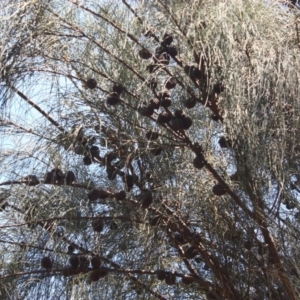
<point>149,150</point>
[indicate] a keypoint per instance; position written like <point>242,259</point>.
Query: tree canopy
<point>149,149</point>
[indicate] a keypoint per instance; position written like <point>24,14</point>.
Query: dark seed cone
<point>145,54</point>
<point>74,261</point>
<point>186,123</point>
<point>70,177</point>
<point>109,157</point>
<point>128,180</point>
<point>93,195</point>
<point>176,124</point>
<point>97,194</point>
<point>167,39</point>
<point>103,273</point>
<point>111,173</point>
<point>163,58</point>
<point>146,198</point>
<point>46,262</point>
<point>91,83</point>
<point>96,275</point>
<point>71,249</point>
<point>120,195</point>
<point>193,72</point>
<point>161,274</point>
<point>190,103</point>
<point>206,267</point>
<point>102,194</point>
<point>166,102</point>
<point>120,173</point>
<point>95,152</point>
<point>113,99</point>
<point>31,180</point>
<point>96,262</point>
<point>50,177</point>
<point>197,74</point>
<point>248,245</point>
<point>113,225</point>
<point>191,252</point>
<point>146,111</point>
<point>219,190</point>
<point>171,50</point>
<point>87,160</point>
<point>223,142</point>
<point>118,88</point>
<point>155,221</point>
<point>199,162</point>
<point>164,118</point>
<point>151,135</point>
<point>187,279</point>
<point>171,83</point>
<point>156,151</point>
<point>170,278</point>
<point>98,225</point>
<point>59,175</point>
<point>214,118</point>
<point>218,88</point>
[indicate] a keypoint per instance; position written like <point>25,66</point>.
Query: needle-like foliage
<point>149,149</point>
